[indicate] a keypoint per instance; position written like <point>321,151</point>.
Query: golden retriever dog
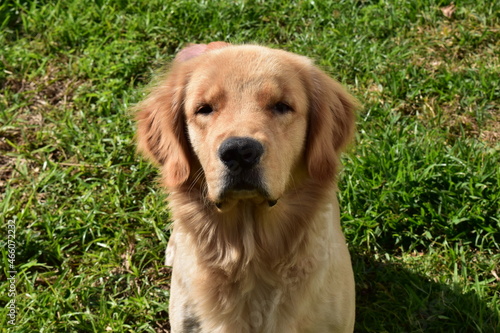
<point>247,140</point>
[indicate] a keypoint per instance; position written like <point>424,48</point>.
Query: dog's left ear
<point>331,125</point>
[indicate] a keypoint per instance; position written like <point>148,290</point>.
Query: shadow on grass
<point>391,298</point>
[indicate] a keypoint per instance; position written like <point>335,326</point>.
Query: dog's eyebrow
<point>214,97</point>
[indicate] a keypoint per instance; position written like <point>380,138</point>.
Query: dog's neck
<point>250,232</point>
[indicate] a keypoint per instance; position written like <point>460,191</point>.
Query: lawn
<point>84,224</point>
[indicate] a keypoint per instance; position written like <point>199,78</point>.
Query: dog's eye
<point>282,108</point>
<point>204,109</point>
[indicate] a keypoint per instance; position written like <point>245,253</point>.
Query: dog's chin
<point>231,199</point>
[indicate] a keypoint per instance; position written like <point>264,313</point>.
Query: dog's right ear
<point>161,133</point>
<point>194,50</point>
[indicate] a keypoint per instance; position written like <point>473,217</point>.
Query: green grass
<point>420,190</point>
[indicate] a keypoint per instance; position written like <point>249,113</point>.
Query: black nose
<point>240,153</point>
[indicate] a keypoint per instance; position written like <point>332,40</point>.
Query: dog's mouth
<point>227,204</point>
<point>237,191</point>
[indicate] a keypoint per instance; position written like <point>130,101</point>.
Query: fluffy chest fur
<point>250,270</point>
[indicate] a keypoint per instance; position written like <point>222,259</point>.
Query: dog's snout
<point>240,152</point>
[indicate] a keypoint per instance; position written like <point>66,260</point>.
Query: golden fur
<point>268,258</point>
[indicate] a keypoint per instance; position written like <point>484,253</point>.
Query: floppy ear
<point>160,128</point>
<point>331,125</point>
<point>161,133</point>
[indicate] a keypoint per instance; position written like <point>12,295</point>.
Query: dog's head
<point>247,122</point>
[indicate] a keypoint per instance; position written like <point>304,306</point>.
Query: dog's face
<point>246,116</point>
<point>255,120</point>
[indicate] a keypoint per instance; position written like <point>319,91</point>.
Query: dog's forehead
<point>244,72</point>
<point>246,68</point>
